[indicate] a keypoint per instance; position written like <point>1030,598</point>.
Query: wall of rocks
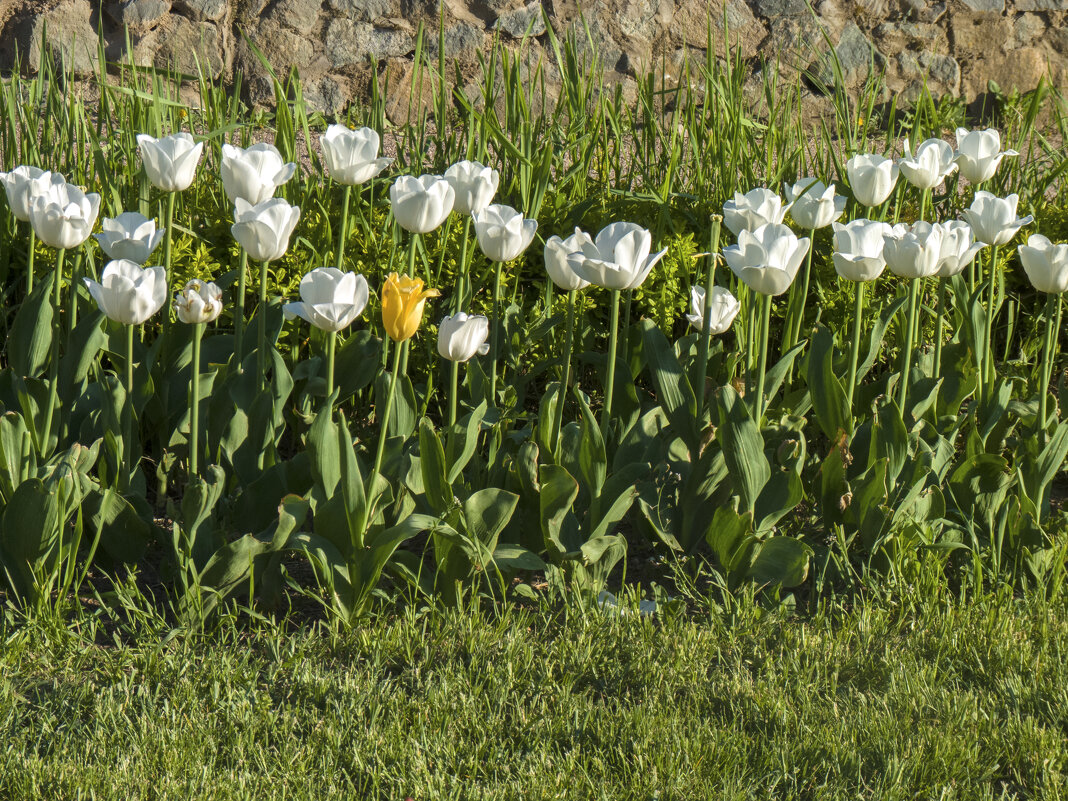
<point>956,46</point>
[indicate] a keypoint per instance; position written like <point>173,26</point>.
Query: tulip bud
<point>502,232</point>
<point>930,166</point>
<point>979,153</point>
<point>253,174</point>
<point>329,299</point>
<point>264,229</point>
<point>351,157</point>
<point>913,252</point>
<point>421,204</point>
<point>129,236</point>
<point>460,337</point>
<point>755,208</point>
<point>170,162</point>
<point>1046,264</point>
<point>403,299</point>
<point>474,185</point>
<point>63,216</point>
<point>198,302</point>
<point>723,309</point>
<point>618,258</point>
<point>129,293</point>
<point>767,259</point>
<point>958,248</point>
<point>814,205</point>
<point>993,219</point>
<point>556,263</point>
<point>872,178</point>
<point>23,185</point>
<point>858,249</point>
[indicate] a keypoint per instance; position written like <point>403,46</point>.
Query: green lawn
<point>962,701</point>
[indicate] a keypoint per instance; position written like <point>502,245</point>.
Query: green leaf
<point>780,561</point>
<point>829,400</point>
<point>487,512</point>
<point>557,496</point>
<point>438,490</point>
<point>462,440</point>
<point>30,338</point>
<point>513,557</point>
<point>31,522</point>
<point>743,448</point>
<point>673,388</point>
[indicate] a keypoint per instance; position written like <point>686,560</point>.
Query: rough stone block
<point>72,38</point>
<point>210,10</point>
<point>350,43</point>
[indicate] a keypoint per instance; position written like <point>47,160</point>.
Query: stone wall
<point>957,46</point>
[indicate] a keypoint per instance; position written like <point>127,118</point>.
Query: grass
<point>874,700</point>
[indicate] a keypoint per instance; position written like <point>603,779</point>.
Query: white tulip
<point>198,302</point>
<point>723,309</point>
<point>979,153</point>
<point>129,293</point>
<point>421,204</point>
<point>253,173</point>
<point>767,259</point>
<point>556,263</point>
<point>858,249</point>
<point>129,236</point>
<point>993,219</point>
<point>914,252</point>
<point>474,185</point>
<point>171,161</point>
<point>872,178</point>
<point>502,232</point>
<point>264,229</point>
<point>755,208</point>
<point>618,258</point>
<point>958,248</point>
<point>351,157</point>
<point>460,337</point>
<point>1046,264</point>
<point>329,299</point>
<point>814,205</point>
<point>23,184</point>
<point>63,216</point>
<point>930,165</point>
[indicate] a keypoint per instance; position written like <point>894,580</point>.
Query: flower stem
<point>495,331</point>
<point>411,255</point>
<point>988,352</point>
<point>239,309</point>
<point>798,301</point>
<point>939,326</point>
<point>1044,371</point>
<point>383,427</point>
<point>561,399</point>
<point>906,362</point>
<point>194,400</point>
<point>75,281</point>
<point>128,410</point>
<point>261,334</point>
<point>30,259</point>
<point>53,365</point>
<point>331,348</point>
<point>701,368</point>
<point>610,382</point>
<point>344,226</point>
<point>167,240</point>
<point>854,349</point>
<point>461,273</point>
<point>765,330</point>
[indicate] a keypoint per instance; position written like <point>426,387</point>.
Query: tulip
<point>198,303</point>
<point>993,219</point>
<point>724,307</point>
<point>617,259</point>
<point>22,185</point>
<point>914,252</point>
<point>755,208</point>
<point>814,205</point>
<point>403,299</point>
<point>556,261</point>
<point>473,184</point>
<point>63,216</point>
<point>253,174</point>
<point>263,230</point>
<point>1046,264</point>
<point>502,232</point>
<point>421,204</point>
<point>767,259</point>
<point>330,300</point>
<point>129,293</point>
<point>931,164</point>
<point>958,248</point>
<point>130,236</point>
<point>979,153</point>
<point>351,157</point>
<point>872,178</point>
<point>858,249</point>
<point>461,337</point>
<point>170,162</point>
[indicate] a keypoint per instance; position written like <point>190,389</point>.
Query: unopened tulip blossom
<point>929,165</point>
<point>197,304</point>
<point>503,233</point>
<point>171,161</point>
<point>460,337</point>
<point>979,153</point>
<point>618,258</point>
<point>959,248</point>
<point>858,249</point>
<point>724,307</point>
<point>351,156</point>
<point>814,205</point>
<point>130,236</point>
<point>22,186</point>
<point>767,259</point>
<point>421,204</point>
<point>254,173</point>
<point>749,211</point>
<point>129,293</point>
<point>993,219</point>
<point>913,252</point>
<point>473,184</point>
<point>872,178</point>
<point>63,215</point>
<point>556,261</point>
<point>403,299</point>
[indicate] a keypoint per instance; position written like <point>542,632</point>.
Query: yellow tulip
<point>402,305</point>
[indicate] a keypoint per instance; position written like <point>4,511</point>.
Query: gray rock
<point>143,14</point>
<point>986,6</point>
<point>198,10</point>
<point>1027,28</point>
<point>774,9</point>
<point>793,37</point>
<point>941,73</point>
<point>1042,5</point>
<point>522,20</point>
<point>326,95</point>
<point>365,10</point>
<point>184,45</point>
<point>597,43</point>
<point>856,56</point>
<point>462,42</point>
<point>350,43</point>
<point>72,38</point>
<point>299,15</point>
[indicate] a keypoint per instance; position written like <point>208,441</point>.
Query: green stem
<point>461,274</point>
<point>167,239</point>
<point>411,255</point>
<point>383,427</point>
<point>988,353</point>
<point>53,365</point>
<point>75,282</point>
<point>331,348</point>
<point>239,309</point>
<point>194,401</point>
<point>701,368</point>
<point>128,466</point>
<point>344,227</point>
<point>854,349</point>
<point>561,399</point>
<point>798,308</point>
<point>765,330</point>
<point>261,329</point>
<point>1044,371</point>
<point>454,390</point>
<point>750,339</point>
<point>939,326</point>
<point>495,331</point>
<point>613,333</point>
<point>906,362</point>
<point>30,260</point>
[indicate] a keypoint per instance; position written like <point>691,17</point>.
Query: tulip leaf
<point>593,464</point>
<point>673,388</point>
<point>31,522</point>
<point>30,338</point>
<point>557,496</point>
<point>728,535</point>
<point>83,346</point>
<point>743,448</point>
<point>829,400</point>
<point>124,531</point>
<point>357,363</point>
<point>462,440</point>
<point>780,562</point>
<point>487,512</point>
<point>432,467</point>
<point>780,495</point>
